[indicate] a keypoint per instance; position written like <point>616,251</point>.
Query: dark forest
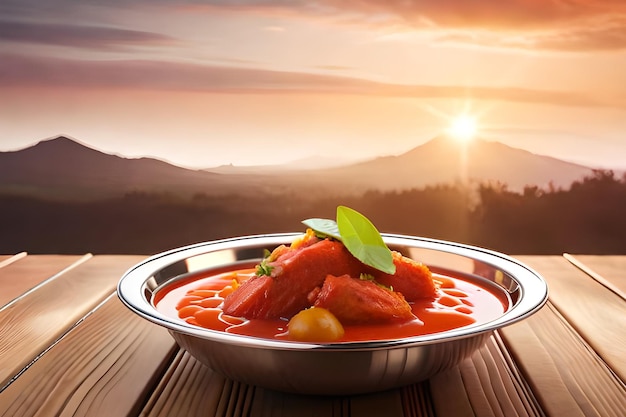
<point>589,217</point>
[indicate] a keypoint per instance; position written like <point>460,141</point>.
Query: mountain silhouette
<point>64,168</point>
<point>443,160</point>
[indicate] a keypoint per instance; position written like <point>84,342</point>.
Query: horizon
<point>326,163</point>
<point>252,82</point>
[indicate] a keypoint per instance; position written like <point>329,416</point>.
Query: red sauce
<point>460,303</point>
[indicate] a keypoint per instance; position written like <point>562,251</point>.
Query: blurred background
<point>137,127</point>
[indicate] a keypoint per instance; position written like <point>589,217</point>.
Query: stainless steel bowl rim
<point>533,292</point>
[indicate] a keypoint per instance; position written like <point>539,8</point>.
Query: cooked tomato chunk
<point>353,301</point>
<point>294,274</point>
<point>248,298</point>
<point>413,279</point>
<point>291,275</point>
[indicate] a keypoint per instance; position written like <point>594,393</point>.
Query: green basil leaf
<point>363,240</point>
<point>324,227</point>
<point>358,235</point>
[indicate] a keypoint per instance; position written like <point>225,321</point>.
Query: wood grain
<point>106,366</point>
<point>609,270</point>
<point>598,314</point>
<point>17,278</point>
<point>485,384</point>
<point>564,372</point>
<point>33,322</point>
<point>191,389</point>
<point>68,347</point>
<point>417,400</point>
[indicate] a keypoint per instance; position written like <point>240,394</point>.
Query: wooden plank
<point>564,372</point>
<point>19,277</point>
<point>386,403</point>
<point>485,384</point>
<point>108,365</point>
<point>599,315</point>
<point>272,403</point>
<point>609,270</point>
<point>417,400</point>
<point>33,322</point>
<point>192,389</point>
<point>9,259</point>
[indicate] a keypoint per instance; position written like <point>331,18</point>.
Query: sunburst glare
<point>463,128</point>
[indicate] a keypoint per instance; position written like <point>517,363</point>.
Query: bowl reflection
<point>335,368</point>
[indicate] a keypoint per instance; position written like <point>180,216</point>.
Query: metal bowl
<point>336,368</point>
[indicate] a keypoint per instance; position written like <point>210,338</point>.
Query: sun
<point>463,128</point>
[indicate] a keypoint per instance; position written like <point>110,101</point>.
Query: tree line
<point>589,217</point>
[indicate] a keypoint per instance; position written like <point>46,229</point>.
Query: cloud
<point>20,71</point>
<point>442,13</point>
<point>560,25</point>
<point>78,36</point>
<point>335,67</point>
<point>487,13</point>
<point>607,37</point>
<point>276,29</point>
<point>554,25</point>
<point>572,25</point>
<point>610,36</point>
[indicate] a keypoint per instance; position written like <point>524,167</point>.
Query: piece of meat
<point>248,297</point>
<point>354,301</point>
<point>413,279</point>
<point>299,269</point>
<point>295,273</point>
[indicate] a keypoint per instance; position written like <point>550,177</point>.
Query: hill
<point>63,168</point>
<point>443,161</point>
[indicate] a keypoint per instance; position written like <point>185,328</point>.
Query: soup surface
<point>460,302</point>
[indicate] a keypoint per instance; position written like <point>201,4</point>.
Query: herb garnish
<point>264,269</point>
<point>372,278</point>
<point>358,235</point>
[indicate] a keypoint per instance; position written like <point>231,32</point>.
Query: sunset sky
<point>250,82</point>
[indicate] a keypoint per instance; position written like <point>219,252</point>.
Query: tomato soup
<point>460,302</point>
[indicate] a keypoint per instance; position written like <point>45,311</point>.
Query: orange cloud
<point>569,25</point>
<point>566,25</point>
<point>21,71</point>
<point>81,36</point>
<point>487,13</point>
<point>609,36</point>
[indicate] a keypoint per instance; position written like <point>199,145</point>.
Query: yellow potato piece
<point>315,324</point>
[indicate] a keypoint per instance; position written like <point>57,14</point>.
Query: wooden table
<point>68,347</point>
